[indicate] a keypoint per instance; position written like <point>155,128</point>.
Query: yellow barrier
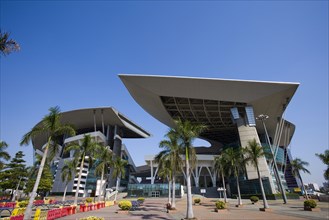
<point>40,215</point>
<point>109,203</point>
<point>18,211</point>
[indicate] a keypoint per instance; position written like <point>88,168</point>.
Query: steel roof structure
<point>208,101</point>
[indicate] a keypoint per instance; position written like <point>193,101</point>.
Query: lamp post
<point>262,118</point>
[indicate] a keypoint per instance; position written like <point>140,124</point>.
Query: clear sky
<point>72,52</point>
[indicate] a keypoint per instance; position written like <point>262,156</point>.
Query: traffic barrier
<point>64,211</point>
<point>83,208</point>
<point>18,211</point>
<point>74,209</point>
<point>17,217</point>
<point>40,214</point>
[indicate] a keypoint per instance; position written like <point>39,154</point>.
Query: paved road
<point>155,209</point>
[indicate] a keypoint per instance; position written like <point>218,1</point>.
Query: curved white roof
<point>165,97</point>
<point>83,119</point>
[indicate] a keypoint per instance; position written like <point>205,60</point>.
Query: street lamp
<point>262,118</point>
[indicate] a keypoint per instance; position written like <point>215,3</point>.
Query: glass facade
<point>151,190</point>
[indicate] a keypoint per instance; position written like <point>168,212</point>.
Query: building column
<point>117,145</point>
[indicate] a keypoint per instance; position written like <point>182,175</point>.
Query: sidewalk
<point>154,208</point>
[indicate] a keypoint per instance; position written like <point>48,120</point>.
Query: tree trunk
<point>303,187</point>
<point>239,194</point>
<point>63,200</point>
<point>169,191</point>
<point>262,189</point>
<point>224,192</point>
<point>189,211</point>
<point>100,187</point>
<point>173,199</point>
<point>79,180</point>
<point>28,211</point>
<point>117,188</point>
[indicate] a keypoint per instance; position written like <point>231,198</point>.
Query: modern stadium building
<point>105,125</point>
<point>229,109</point>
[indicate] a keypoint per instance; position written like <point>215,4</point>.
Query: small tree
<point>298,165</point>
<point>68,172</point>
<point>104,157</point>
<point>219,165</point>
<point>235,163</point>
<point>86,151</point>
<point>119,166</point>
<point>252,153</point>
<point>14,173</point>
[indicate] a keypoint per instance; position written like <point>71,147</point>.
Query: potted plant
<point>141,200</point>
<point>220,206</point>
<point>254,199</point>
<point>197,201</point>
<point>310,205</point>
<point>125,206</point>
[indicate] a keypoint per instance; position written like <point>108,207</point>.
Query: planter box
<point>312,209</point>
<point>122,211</point>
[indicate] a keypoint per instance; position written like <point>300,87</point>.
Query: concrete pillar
<point>117,145</point>
<point>248,133</point>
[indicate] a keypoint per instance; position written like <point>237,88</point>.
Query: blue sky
<point>72,52</point>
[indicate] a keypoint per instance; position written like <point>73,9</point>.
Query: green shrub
<point>141,199</point>
<point>220,205</point>
<point>89,200</point>
<point>310,203</point>
<point>92,218</point>
<point>23,204</point>
<point>197,200</point>
<point>254,199</point>
<point>125,205</point>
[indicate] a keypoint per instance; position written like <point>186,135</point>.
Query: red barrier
<point>17,217</point>
<point>65,211</point>
<point>10,205</point>
<point>74,209</point>
<point>83,208</point>
<point>38,202</point>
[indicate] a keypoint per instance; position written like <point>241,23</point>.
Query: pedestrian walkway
<point>154,208</point>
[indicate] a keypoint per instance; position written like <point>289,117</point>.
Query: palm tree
<point>165,171</point>
<point>235,163</point>
<point>104,158</point>
<point>187,132</point>
<point>67,174</point>
<point>87,150</point>
<point>119,166</point>
<point>51,127</point>
<point>298,165</point>
<point>172,151</point>
<point>219,165</point>
<point>7,45</point>
<point>3,154</point>
<point>325,159</point>
<point>252,153</point>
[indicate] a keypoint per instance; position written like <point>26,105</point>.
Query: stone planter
<point>120,211</point>
<point>197,203</point>
<point>238,206</point>
<point>306,208</point>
